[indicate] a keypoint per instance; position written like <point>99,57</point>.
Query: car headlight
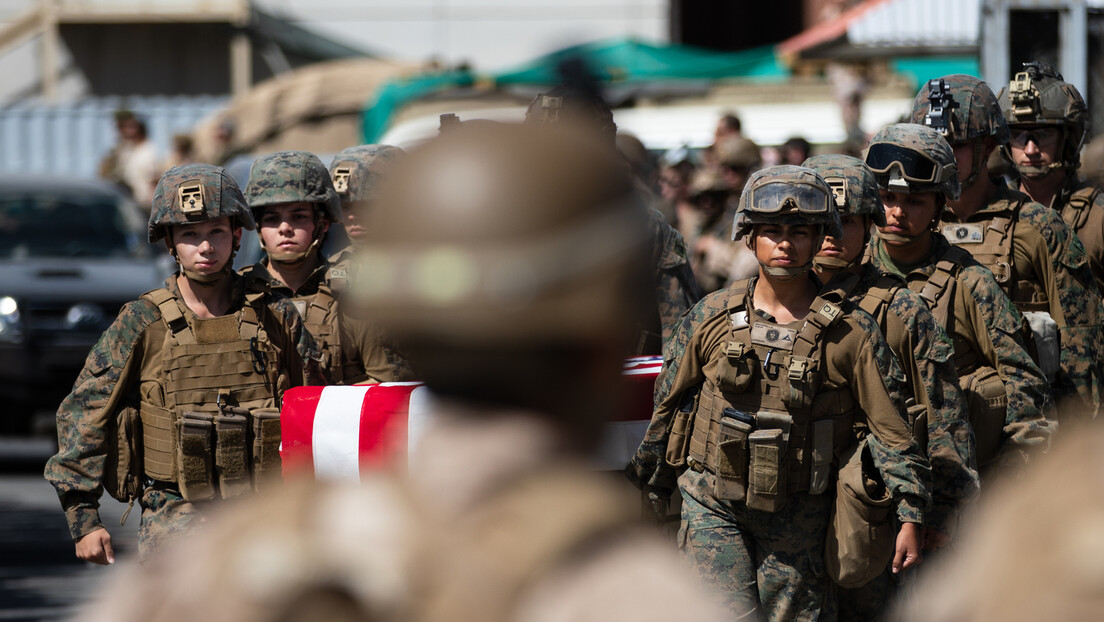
<point>11,324</point>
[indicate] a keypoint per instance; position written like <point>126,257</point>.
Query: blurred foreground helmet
<point>291,177</point>
<point>787,195</point>
<point>572,106</point>
<point>196,193</point>
<point>357,171</point>
<point>961,108</point>
<point>1037,97</point>
<point>501,240</point>
<point>737,152</point>
<point>854,188</point>
<point>911,158</point>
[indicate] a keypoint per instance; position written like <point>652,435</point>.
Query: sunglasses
<point>1042,137</point>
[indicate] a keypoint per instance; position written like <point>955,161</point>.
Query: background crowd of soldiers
<point>855,347</point>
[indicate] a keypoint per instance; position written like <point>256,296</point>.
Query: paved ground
<point>40,577</point>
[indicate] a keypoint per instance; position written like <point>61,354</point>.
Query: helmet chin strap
<point>821,264</point>
<point>1034,172</point>
<point>975,170</point>
<point>203,279</point>
<point>296,258</point>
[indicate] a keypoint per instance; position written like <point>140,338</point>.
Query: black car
<point>71,254</point>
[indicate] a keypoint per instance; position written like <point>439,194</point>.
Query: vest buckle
<point>798,367</point>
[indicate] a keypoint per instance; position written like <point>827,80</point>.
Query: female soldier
<point>178,402</point>
<point>761,387</point>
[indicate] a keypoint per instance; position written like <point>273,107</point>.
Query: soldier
<point>178,402</point>
<point>294,204</point>
<point>1049,122</point>
<point>675,287</point>
<point>357,173</point>
<point>936,407</point>
<point>761,386</point>
<point>1035,256</point>
<point>1008,400</point>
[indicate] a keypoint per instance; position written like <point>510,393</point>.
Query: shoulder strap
<point>938,291</point>
<point>166,303</point>
<point>1076,211</point>
<point>877,298</point>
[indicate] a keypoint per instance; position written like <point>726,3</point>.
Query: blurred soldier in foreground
<point>1032,552</point>
<point>294,203</point>
<point>178,403</point>
<point>760,391</point>
<point>1049,122</point>
<point>676,290</point>
<point>1009,403</point>
<point>1036,258</point>
<point>936,407</point>
<point>518,321</point>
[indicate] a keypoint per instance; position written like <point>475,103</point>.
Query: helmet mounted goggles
<point>904,165</point>
<point>787,197</point>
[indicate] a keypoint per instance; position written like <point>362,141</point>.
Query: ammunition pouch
<point>1044,334</point>
<point>731,456</point>
<point>195,456</point>
<point>231,451</point>
<point>861,535</point>
<point>987,405</point>
<point>266,447</point>
<point>679,439</point>
<point>122,477</point>
<point>768,484</point>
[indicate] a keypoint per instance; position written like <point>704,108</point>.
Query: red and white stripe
<point>335,432</point>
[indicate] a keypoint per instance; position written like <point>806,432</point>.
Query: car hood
<point>85,279</point>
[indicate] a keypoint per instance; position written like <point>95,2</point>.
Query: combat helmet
<point>291,177</point>
<point>356,172</point>
<point>962,108</point>
<point>503,249</point>
<point>855,191</point>
<point>911,158</point>
<point>787,194</point>
<point>1038,96</point>
<point>193,193</point>
<point>566,104</point>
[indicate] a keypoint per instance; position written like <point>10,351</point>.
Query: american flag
<point>336,432</point>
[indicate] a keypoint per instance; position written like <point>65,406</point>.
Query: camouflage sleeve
<point>676,288</point>
<point>1029,423</point>
<point>301,361</point>
<point>878,385</point>
<point>682,371</point>
<point>1075,304</point>
<point>950,440</point>
<point>76,471</point>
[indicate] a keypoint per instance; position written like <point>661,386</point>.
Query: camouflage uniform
<point>352,350</point>
<point>127,366</point>
<point>762,559</point>
<point>1038,97</point>
<point>1046,269</point>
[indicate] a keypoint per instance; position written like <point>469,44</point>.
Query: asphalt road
<point>40,577</point>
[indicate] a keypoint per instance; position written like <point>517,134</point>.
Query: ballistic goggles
<point>1043,137</point>
<point>781,197</point>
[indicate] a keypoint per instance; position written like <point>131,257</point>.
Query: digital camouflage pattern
<point>699,339</point>
<point>1047,255</point>
<point>767,565</point>
<point>859,188</point>
<point>1038,96</point>
<point>987,324</point>
<point>930,143</point>
<point>125,361</point>
<point>676,290</point>
<point>356,172</point>
<point>196,193</point>
<point>747,215</point>
<point>977,114</point>
<point>291,177</point>
<point>352,351</point>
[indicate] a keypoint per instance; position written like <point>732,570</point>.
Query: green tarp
<point>621,61</point>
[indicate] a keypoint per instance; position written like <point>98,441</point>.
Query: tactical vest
<point>990,243</point>
<point>985,393</point>
<point>218,433</point>
<point>1076,210</point>
<point>763,425</point>
<point>322,319</point>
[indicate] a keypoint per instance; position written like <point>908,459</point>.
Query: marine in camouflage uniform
<point>1035,256</point>
<point>676,289</point>
<point>138,364</point>
<point>936,406</point>
<point>762,560</point>
<point>965,298</point>
<point>1042,108</point>
<point>352,351</point>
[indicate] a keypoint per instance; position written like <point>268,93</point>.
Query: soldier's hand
<point>95,547</point>
<point>909,547</point>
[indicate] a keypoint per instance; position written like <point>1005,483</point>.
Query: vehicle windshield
<point>45,225</point>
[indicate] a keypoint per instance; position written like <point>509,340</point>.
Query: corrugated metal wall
<point>70,139</point>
